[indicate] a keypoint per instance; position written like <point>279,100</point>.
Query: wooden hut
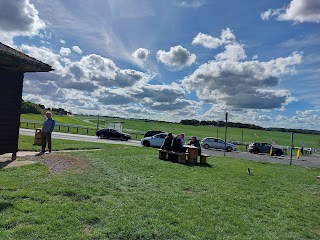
<point>13,65</point>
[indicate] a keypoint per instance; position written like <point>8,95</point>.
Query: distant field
<point>233,134</point>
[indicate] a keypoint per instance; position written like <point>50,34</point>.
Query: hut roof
<point>18,61</point>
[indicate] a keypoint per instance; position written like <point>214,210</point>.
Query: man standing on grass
<point>47,129</point>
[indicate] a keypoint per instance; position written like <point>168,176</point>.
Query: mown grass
<point>233,134</point>
<point>127,193</point>
<point>26,144</point>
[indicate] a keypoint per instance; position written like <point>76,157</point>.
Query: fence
<point>70,128</point>
<point>61,127</point>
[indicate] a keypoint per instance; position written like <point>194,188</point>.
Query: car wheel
<point>256,151</point>
<point>146,143</point>
<point>121,138</point>
<point>206,146</point>
<point>101,135</point>
<point>229,149</point>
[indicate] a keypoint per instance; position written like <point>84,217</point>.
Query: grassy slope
<point>249,135</point>
<point>128,193</point>
<point>235,134</point>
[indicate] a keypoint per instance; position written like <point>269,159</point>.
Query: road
<point>306,161</point>
<point>79,137</point>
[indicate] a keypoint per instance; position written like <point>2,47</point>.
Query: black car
<point>113,133</point>
<point>257,147</point>
<point>152,133</point>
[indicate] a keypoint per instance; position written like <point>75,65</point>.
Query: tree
<point>29,107</point>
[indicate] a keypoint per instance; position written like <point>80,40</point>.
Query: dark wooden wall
<point>10,107</point>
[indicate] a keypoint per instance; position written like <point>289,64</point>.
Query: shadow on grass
<point>4,206</point>
<point>3,164</point>
<point>207,165</point>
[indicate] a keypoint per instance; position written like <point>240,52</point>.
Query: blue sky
<point>171,59</point>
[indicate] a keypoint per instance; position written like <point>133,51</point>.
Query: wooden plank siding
<point>13,65</point>
<point>10,108</point>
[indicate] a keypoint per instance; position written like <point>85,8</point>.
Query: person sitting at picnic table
<point>183,141</point>
<point>167,144</point>
<point>194,142</point>
<point>177,146</point>
<point>178,142</point>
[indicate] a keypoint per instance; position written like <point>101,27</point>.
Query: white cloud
<point>159,93</point>
<point>233,52</point>
<point>63,41</point>
<point>191,3</point>
<point>298,11</point>
<point>65,51</point>
<point>248,84</point>
<point>77,49</point>
<point>227,35</point>
<point>307,119</point>
<point>92,68</point>
<point>207,41</point>
<point>45,55</point>
<point>141,54</point>
<point>178,57</point>
<point>18,18</point>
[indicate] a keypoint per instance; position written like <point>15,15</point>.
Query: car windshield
<point>160,135</point>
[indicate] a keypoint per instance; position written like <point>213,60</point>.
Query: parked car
<point>152,133</point>
<point>257,147</point>
<point>154,141</point>
<point>210,142</point>
<point>113,133</point>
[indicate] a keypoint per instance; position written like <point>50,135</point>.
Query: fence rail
<point>67,127</point>
<point>72,128</point>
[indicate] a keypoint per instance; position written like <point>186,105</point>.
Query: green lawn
<point>26,144</point>
<point>127,193</point>
<point>233,134</point>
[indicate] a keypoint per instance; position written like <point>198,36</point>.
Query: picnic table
<point>190,155</point>
<point>193,153</point>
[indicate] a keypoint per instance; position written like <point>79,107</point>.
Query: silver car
<point>154,141</point>
<point>210,142</point>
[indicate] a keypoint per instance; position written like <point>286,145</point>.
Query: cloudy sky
<point>172,59</point>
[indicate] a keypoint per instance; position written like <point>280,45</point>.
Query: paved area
<point>6,162</point>
<point>312,160</point>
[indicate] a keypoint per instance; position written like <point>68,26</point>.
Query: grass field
<point>127,193</point>
<point>233,134</point>
<point>26,144</point>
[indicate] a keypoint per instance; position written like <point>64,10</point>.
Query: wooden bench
<point>181,155</point>
<point>203,158</point>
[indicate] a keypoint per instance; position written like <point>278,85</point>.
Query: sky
<point>258,61</point>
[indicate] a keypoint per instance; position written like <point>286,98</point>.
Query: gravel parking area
<point>312,160</point>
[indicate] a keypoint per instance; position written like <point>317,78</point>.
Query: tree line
<point>195,122</point>
<point>29,107</point>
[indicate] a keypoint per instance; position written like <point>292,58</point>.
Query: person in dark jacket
<point>47,129</point>
<point>194,142</point>
<point>167,144</point>
<point>177,144</point>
